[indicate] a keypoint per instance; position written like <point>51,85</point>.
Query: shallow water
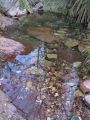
<point>26,79</point>
<point>16,78</point>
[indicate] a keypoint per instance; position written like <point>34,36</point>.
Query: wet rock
<point>85,86</point>
<point>10,47</point>
<point>87,99</point>
<point>43,33</point>
<point>51,56</point>
<point>31,58</point>
<point>76,118</point>
<point>5,22</point>
<point>7,110</point>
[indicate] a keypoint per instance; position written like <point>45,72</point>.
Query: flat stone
<point>85,86</point>
<point>52,56</point>
<point>43,33</point>
<point>9,47</point>
<point>71,43</point>
<point>7,110</point>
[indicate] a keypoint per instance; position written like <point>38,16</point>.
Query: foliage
<point>53,5</point>
<point>26,5</point>
<point>80,9</point>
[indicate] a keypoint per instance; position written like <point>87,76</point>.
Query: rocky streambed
<point>47,83</point>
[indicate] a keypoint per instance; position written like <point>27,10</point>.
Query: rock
<point>10,47</point>
<point>15,11</point>
<point>12,8</point>
<point>85,86</point>
<point>76,118</point>
<point>43,33</point>
<point>87,99</point>
<point>19,7</point>
<point>89,25</point>
<point>37,6</point>
<point>7,110</point>
<point>51,56</point>
<point>5,22</point>
<point>77,64</point>
<point>5,5</point>
<point>71,43</point>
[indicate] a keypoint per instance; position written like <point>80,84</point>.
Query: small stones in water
<point>71,43</point>
<point>51,56</point>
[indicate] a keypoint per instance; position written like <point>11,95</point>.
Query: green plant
<point>26,5</point>
<point>81,10</point>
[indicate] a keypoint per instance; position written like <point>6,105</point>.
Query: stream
<point>42,82</point>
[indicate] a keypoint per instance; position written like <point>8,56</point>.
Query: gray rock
<point>5,22</point>
<point>11,7</point>
<point>7,110</point>
<point>5,5</point>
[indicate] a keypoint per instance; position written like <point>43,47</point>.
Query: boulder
<point>8,110</point>
<point>85,86</point>
<point>5,22</point>
<point>10,47</point>
<point>19,7</point>
<point>5,5</point>
<point>12,7</point>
